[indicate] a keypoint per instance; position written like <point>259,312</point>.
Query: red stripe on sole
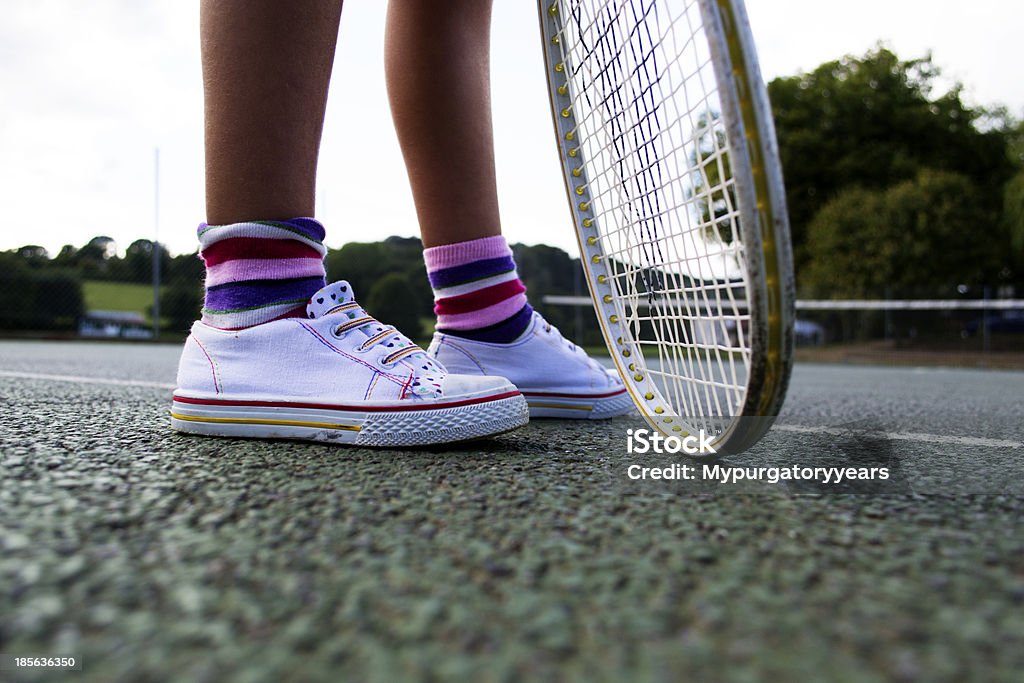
<point>328,406</point>
<point>548,394</point>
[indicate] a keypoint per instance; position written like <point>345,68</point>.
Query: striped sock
<point>260,270</point>
<point>477,292</point>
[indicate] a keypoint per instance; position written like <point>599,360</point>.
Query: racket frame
<point>746,112</point>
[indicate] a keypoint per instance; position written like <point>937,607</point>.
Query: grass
<point>117,296</point>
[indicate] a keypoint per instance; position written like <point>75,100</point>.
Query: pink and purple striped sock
<point>260,270</point>
<point>477,292</point>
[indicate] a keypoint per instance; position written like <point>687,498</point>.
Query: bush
<point>38,299</point>
<point>393,301</point>
<point>180,304</point>
<point>918,238</point>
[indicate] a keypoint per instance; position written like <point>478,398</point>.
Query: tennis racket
<point>672,171</point>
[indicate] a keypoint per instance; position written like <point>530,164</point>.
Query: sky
<point>90,91</point>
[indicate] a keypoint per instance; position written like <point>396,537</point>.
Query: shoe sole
<point>578,406</point>
<point>379,425</point>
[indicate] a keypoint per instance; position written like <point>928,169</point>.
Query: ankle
<point>477,290</point>
<point>259,271</point>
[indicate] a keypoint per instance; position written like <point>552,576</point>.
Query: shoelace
<point>551,329</point>
<point>358,319</point>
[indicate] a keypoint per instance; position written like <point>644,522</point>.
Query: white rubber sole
<point>580,406</point>
<point>387,425</point>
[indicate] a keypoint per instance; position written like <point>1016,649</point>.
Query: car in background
<point>998,322</point>
<point>807,333</point>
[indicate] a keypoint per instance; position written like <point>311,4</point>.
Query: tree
<point>1013,199</point>
<point>67,257</point>
<point>549,270</point>
<point>392,300</point>
<point>710,158</point>
<point>186,267</point>
<point>180,303</point>
<point>921,237</point>
<point>182,297</point>
<point>33,255</point>
<point>364,264</point>
<point>873,122</point>
<point>94,258</point>
<point>37,298</point>
<point>1013,212</point>
<point>1013,224</point>
<point>59,299</point>
<point>17,291</point>
<point>137,264</point>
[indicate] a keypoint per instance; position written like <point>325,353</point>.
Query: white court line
<point>79,379</point>
<point>906,436</point>
<point>799,429</point>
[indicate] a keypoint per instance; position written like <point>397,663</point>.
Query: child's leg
<point>438,71</point>
<point>266,68</point>
<point>437,57</point>
<point>439,85</point>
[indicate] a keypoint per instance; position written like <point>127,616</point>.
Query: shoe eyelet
<point>338,335</point>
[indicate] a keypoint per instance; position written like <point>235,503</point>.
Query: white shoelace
<point>552,330</point>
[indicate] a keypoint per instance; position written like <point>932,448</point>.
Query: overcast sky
<point>90,89</point>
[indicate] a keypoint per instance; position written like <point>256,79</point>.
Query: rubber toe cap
<point>475,386</point>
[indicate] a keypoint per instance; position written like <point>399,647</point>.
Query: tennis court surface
<point>154,556</point>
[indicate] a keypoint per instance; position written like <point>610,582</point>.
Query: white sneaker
<point>340,376</point>
<point>557,377</point>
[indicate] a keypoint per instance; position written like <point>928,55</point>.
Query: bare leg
<point>437,57</point>
<point>266,68</point>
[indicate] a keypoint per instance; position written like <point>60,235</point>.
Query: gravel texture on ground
<point>159,557</point>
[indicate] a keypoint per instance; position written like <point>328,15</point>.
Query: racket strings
<point>654,173</point>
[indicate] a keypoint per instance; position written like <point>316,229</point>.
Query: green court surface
<point>154,556</point>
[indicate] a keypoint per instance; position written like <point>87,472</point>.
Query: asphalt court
<point>157,556</point>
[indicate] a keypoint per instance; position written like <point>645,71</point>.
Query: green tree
<point>182,297</point>
<point>873,122</point>
<point>710,158</point>
<point>37,298</point>
<point>59,299</point>
<point>94,259</point>
<point>17,291</point>
<point>180,302</point>
<point>186,267</point>
<point>549,270</point>
<point>1013,212</point>
<point>392,300</point>
<point>34,255</point>
<point>363,264</point>
<point>67,257</point>
<point>137,264</point>
<point>1013,201</point>
<point>921,237</point>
